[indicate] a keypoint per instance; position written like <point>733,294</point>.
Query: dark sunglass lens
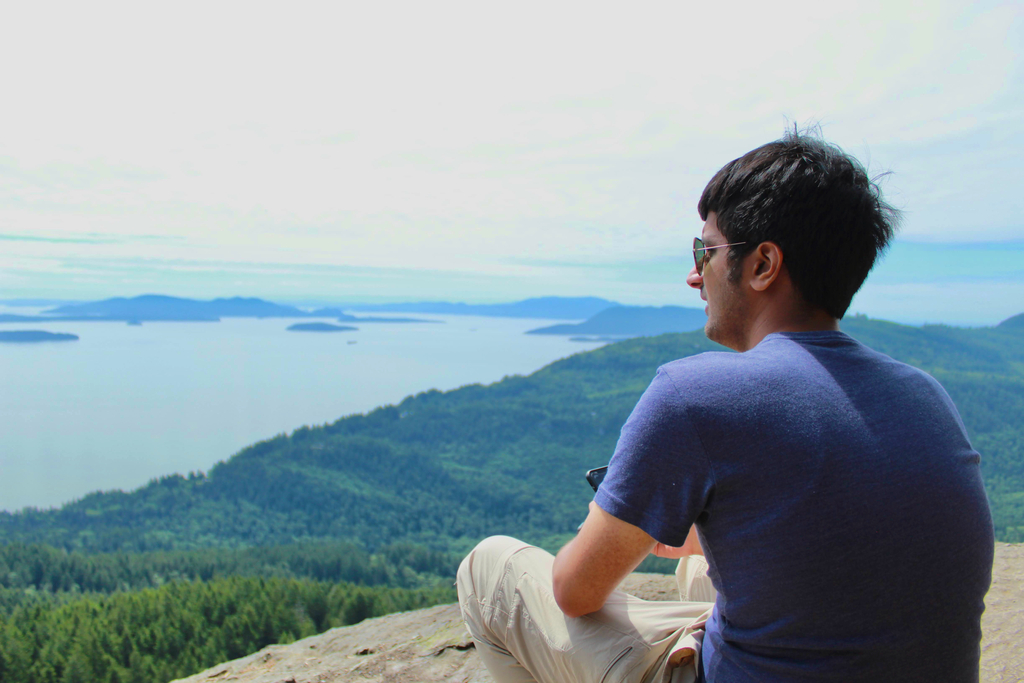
<point>698,254</point>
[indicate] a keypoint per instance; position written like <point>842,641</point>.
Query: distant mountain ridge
<point>35,336</point>
<point>161,307</point>
<point>158,307</point>
<point>551,307</point>
<point>633,321</point>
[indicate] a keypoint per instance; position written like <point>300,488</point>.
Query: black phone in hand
<point>596,476</point>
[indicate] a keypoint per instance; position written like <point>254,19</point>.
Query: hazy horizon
<point>882,297</point>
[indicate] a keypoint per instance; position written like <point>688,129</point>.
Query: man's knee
<point>478,581</point>
<point>485,561</point>
<point>495,546</point>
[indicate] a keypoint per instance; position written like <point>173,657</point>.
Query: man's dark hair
<point>813,200</point>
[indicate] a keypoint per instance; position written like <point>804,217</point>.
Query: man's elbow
<point>573,606</point>
<point>572,601</point>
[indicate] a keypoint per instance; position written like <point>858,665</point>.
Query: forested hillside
<point>445,469</point>
<point>162,633</point>
<point>118,617</point>
<point>33,573</point>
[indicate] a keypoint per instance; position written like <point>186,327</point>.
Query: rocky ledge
<point>431,645</point>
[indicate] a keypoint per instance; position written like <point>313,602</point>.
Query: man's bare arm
<point>589,567</point>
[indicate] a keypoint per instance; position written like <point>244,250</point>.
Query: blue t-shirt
<point>838,501</point>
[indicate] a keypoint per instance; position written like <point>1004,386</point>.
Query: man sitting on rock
<point>833,489</point>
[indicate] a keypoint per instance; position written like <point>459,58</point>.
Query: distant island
<point>35,336</point>
<point>341,316</point>
<point>547,307</point>
<point>320,327</point>
<point>160,308</point>
<point>623,322</point>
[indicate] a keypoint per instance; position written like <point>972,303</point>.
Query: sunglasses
<point>700,252</point>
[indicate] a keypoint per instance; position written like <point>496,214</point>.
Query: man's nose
<point>694,280</point>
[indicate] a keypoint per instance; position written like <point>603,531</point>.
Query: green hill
<point>445,469</point>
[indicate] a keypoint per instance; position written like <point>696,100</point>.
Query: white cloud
<point>461,136</point>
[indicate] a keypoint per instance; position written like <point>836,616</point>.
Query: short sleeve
<point>659,478</point>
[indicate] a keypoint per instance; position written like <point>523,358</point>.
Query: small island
<point>320,327</point>
<point>343,317</point>
<point>35,336</point>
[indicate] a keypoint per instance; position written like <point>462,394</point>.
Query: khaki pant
<point>522,636</point>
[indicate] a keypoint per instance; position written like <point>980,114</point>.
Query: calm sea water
<point>125,404</point>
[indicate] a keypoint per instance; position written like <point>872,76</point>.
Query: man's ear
<point>764,265</point>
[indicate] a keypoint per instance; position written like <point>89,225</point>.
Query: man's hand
<point>589,567</point>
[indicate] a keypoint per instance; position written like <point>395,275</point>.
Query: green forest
<point>382,505</point>
<point>115,617</point>
<point>158,634</point>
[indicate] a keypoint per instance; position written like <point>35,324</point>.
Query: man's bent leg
<point>477,576</point>
<point>508,604</point>
<point>692,580</point>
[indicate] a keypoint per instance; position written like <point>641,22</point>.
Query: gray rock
<point>426,645</point>
<point>432,644</point>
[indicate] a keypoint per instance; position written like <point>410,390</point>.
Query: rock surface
<point>432,645</point>
<point>1002,625</point>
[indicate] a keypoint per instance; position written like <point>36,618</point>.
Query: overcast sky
<point>486,152</point>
